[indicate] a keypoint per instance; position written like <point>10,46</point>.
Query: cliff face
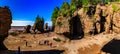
<point>62,25</point>
<point>116,21</point>
<point>109,18</point>
<point>86,21</point>
<point>5,24</point>
<point>5,20</point>
<point>27,29</point>
<point>77,25</point>
<point>103,19</point>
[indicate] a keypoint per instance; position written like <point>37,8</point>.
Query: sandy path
<point>89,45</point>
<point>13,42</point>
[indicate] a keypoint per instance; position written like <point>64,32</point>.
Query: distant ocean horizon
<point>19,28</point>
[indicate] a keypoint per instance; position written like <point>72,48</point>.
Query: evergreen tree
<point>76,3</point>
<point>94,2</point>
<point>39,23</point>
<point>65,8</point>
<point>54,16</point>
<point>85,4</point>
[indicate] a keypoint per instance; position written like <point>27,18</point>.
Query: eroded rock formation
<point>97,19</point>
<point>38,28</point>
<point>27,29</point>
<point>5,25</point>
<point>105,19</point>
<point>46,27</point>
<point>62,25</point>
<point>86,21</point>
<point>116,22</point>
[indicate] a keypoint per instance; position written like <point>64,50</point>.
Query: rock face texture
<point>116,22</point>
<point>62,25</point>
<point>46,27</point>
<point>5,25</point>
<point>76,25</point>
<point>108,18</point>
<point>95,20</point>
<point>38,28</point>
<point>86,21</point>
<point>27,29</point>
<point>99,19</point>
<point>104,19</point>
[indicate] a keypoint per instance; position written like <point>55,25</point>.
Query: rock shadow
<point>112,47</point>
<point>76,29</point>
<point>33,52</point>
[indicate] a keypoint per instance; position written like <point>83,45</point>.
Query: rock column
<point>5,25</point>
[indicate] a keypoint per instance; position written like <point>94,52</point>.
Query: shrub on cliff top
<point>39,19</point>
<point>39,23</point>
<point>85,4</point>
<point>65,8</point>
<point>55,14</point>
<point>115,8</point>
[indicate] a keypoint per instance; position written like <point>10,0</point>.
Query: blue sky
<point>25,11</point>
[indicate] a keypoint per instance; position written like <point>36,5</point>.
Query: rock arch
<point>76,29</point>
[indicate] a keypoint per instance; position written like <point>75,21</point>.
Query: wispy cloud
<point>21,23</point>
<point>24,23</point>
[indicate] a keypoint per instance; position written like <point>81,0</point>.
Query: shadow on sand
<point>33,52</point>
<point>112,47</point>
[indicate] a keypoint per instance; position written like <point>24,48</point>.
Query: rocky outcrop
<point>95,20</point>
<point>116,22</point>
<point>46,27</point>
<point>86,21</point>
<point>77,25</point>
<point>106,19</point>
<point>38,28</point>
<point>62,25</point>
<point>5,25</point>
<point>112,18</point>
<point>97,16</point>
<point>109,18</point>
<point>27,29</point>
<point>116,19</point>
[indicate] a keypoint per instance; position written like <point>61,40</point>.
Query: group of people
<point>45,42</point>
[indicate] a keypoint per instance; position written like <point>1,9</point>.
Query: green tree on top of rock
<point>65,8</point>
<point>94,2</point>
<point>118,0</point>
<point>39,23</point>
<point>85,4</point>
<point>68,9</point>
<point>54,16</point>
<point>74,4</point>
<point>39,19</point>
